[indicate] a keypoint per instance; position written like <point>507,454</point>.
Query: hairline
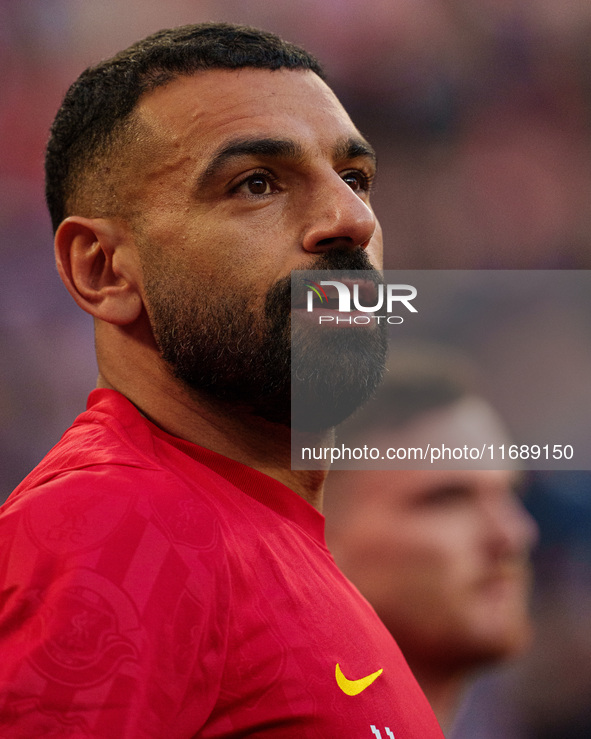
<point>130,132</point>
<point>84,142</point>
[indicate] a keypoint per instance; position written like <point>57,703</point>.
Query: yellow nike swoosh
<point>354,687</point>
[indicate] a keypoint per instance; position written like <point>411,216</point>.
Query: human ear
<point>96,261</point>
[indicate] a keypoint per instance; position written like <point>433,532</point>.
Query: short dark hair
<point>91,121</point>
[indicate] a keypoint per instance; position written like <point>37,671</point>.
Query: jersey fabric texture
<point>152,588</point>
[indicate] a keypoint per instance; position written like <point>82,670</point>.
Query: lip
<point>505,585</point>
<point>367,290</point>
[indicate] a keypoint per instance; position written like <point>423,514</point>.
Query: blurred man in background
<point>442,555</point>
<point>545,694</point>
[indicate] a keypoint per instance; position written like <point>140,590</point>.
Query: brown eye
<point>356,180</point>
<point>258,185</point>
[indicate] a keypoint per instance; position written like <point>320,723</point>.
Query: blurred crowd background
<point>480,111</point>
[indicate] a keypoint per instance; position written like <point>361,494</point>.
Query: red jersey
<point>152,588</point>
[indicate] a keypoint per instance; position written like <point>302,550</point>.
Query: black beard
<point>227,352</point>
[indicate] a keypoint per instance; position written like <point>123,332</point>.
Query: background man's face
<point>247,175</point>
<point>443,557</point>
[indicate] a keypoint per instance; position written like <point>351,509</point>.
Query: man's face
<point>248,175</point>
<point>443,556</point>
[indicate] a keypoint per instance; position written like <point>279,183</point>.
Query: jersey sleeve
<point>113,607</point>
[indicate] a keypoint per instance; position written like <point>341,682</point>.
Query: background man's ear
<point>97,262</point>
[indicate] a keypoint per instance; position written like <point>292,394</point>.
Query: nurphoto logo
<point>364,298</point>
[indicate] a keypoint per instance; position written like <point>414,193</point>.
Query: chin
<point>490,645</point>
<point>501,623</point>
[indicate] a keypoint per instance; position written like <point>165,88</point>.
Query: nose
<point>338,218</point>
<point>511,529</point>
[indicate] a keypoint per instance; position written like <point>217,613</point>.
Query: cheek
<point>388,563</point>
<point>255,254</point>
<point>432,565</point>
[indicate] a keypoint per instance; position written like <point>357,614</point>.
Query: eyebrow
<point>349,148</point>
<point>354,147</point>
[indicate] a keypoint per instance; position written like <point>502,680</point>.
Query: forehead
<point>207,108</point>
<point>470,420</point>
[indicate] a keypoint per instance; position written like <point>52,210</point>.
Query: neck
<point>241,436</point>
<point>443,689</point>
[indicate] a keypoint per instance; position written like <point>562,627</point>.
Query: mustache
<point>346,261</point>
<point>515,567</point>
<point>342,259</point>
